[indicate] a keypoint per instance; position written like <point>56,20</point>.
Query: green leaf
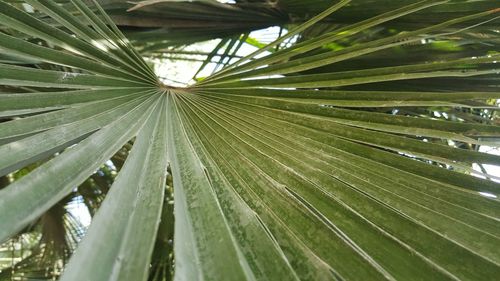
<point>337,169</point>
<point>135,199</point>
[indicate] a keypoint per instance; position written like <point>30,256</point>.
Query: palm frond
<point>283,167</point>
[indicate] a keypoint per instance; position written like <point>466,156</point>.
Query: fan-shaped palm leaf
<point>275,177</point>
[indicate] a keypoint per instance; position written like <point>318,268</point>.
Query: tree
<point>314,161</point>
